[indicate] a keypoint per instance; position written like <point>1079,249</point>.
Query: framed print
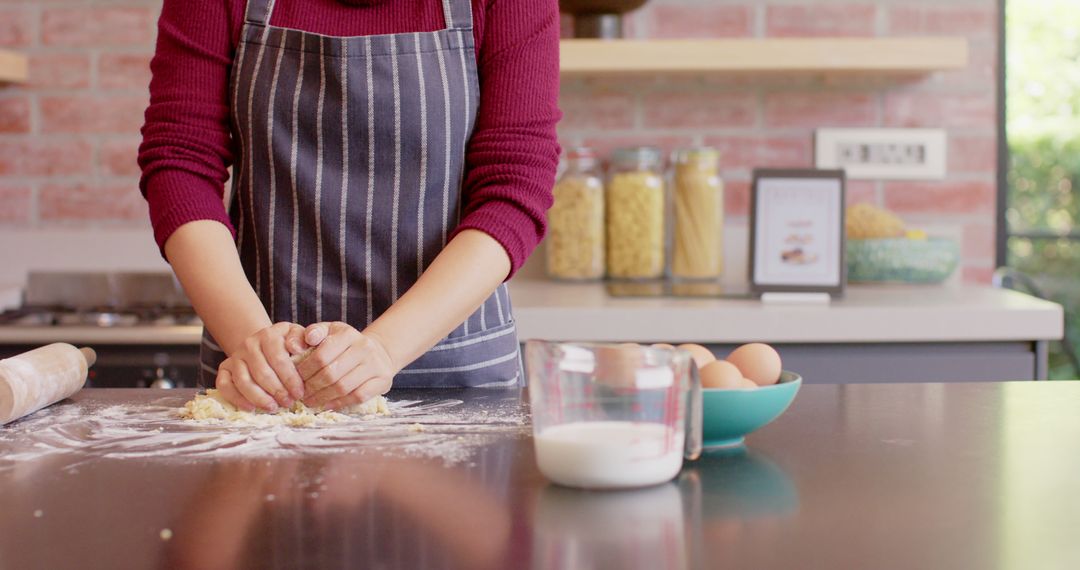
<point>797,231</point>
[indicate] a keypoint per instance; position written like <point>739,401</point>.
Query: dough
<point>212,406</point>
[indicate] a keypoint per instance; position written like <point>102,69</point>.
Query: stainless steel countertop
<point>859,476</point>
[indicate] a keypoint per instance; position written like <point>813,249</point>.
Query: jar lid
<point>696,154</point>
<point>580,153</point>
<point>648,156</point>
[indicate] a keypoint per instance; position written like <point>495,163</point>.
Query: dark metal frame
<point>760,173</point>
<point>1002,241</point>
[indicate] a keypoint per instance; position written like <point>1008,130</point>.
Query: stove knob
<point>162,384</point>
<point>161,381</point>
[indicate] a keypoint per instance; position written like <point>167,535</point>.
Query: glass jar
<point>635,214</point>
<point>575,244</point>
<point>698,240</point>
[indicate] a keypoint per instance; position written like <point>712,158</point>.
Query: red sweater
<point>510,160</point>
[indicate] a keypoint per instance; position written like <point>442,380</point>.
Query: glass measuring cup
<point>612,416</point>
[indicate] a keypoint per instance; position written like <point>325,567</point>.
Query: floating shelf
<point>844,55</point>
<point>13,67</point>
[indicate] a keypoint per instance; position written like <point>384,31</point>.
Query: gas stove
<point>141,325</point>
<point>105,317</point>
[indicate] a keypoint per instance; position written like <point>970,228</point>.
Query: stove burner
<point>97,319</point>
<point>104,317</point>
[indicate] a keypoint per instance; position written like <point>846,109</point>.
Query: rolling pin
<point>40,378</point>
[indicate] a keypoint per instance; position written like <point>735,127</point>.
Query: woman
<point>394,164</point>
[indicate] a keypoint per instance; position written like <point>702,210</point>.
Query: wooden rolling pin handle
<point>41,377</point>
<point>89,354</point>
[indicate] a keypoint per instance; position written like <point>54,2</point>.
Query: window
<point>1039,217</point>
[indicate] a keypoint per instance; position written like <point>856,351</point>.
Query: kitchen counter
<point>867,314</point>
<point>584,312</point>
<point>874,334</point>
<point>860,476</point>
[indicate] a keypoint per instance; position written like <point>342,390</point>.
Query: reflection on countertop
<point>856,476</point>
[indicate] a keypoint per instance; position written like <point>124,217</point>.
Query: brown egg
<point>700,354</point>
<point>617,365</point>
<point>758,362</point>
<point>721,374</point>
<point>747,383</point>
<point>664,345</point>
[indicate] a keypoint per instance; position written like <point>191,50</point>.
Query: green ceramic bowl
<point>731,414</point>
<point>930,260</point>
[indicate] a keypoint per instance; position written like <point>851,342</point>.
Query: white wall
<point>102,249</point>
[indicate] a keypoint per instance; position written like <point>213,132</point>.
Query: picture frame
<point>797,236</point>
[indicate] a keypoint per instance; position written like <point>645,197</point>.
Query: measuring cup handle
<point>694,415</point>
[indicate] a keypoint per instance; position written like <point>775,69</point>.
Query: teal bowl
<point>928,261</point>
<point>731,414</point>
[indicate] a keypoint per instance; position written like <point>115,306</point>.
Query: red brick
<point>123,70</point>
<point>83,202</point>
<point>981,72</point>
<point>16,207</point>
<point>59,71</point>
<point>597,110</point>
<point>977,274</point>
<point>980,20</point>
<point>820,20</point>
<point>93,114</point>
<point>15,27</point>
<point>972,154</point>
<point>978,241</point>
<point>753,151</point>
<point>698,21</point>
<point>939,110</point>
<point>636,23</point>
<point>33,156</point>
<point>755,81</point>
<point>14,115</point>
<point>117,157</point>
<point>815,110</point>
<point>699,110</point>
<point>737,197</point>
<point>860,192</point>
<point>604,145</point>
<point>940,197</point>
<point>98,25</point>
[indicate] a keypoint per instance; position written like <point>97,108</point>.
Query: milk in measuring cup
<point>609,454</point>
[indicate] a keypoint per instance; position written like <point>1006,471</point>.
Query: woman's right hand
<point>260,373</point>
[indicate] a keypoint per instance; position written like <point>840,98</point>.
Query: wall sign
<point>883,154</point>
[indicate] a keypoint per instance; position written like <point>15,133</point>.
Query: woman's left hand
<point>347,367</point>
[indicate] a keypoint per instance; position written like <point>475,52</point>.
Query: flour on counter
<point>213,406</point>
<point>449,431</point>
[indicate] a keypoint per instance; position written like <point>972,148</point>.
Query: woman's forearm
<point>204,257</point>
<point>458,281</point>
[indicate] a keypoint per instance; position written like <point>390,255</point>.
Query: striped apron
<point>348,182</point>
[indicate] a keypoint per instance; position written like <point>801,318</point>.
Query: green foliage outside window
<point>1043,109</point>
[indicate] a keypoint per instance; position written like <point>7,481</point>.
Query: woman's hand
<point>347,367</point>
<point>260,373</point>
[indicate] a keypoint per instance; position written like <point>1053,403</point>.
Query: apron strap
<point>259,11</point>
<point>458,14</point>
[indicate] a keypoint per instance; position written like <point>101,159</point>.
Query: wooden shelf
<point>843,55</point>
<point>13,67</point>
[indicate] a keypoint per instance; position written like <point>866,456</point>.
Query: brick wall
<point>68,138</point>
<point>769,120</point>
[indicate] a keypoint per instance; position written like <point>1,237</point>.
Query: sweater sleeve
<point>513,154</point>
<point>187,146</point>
